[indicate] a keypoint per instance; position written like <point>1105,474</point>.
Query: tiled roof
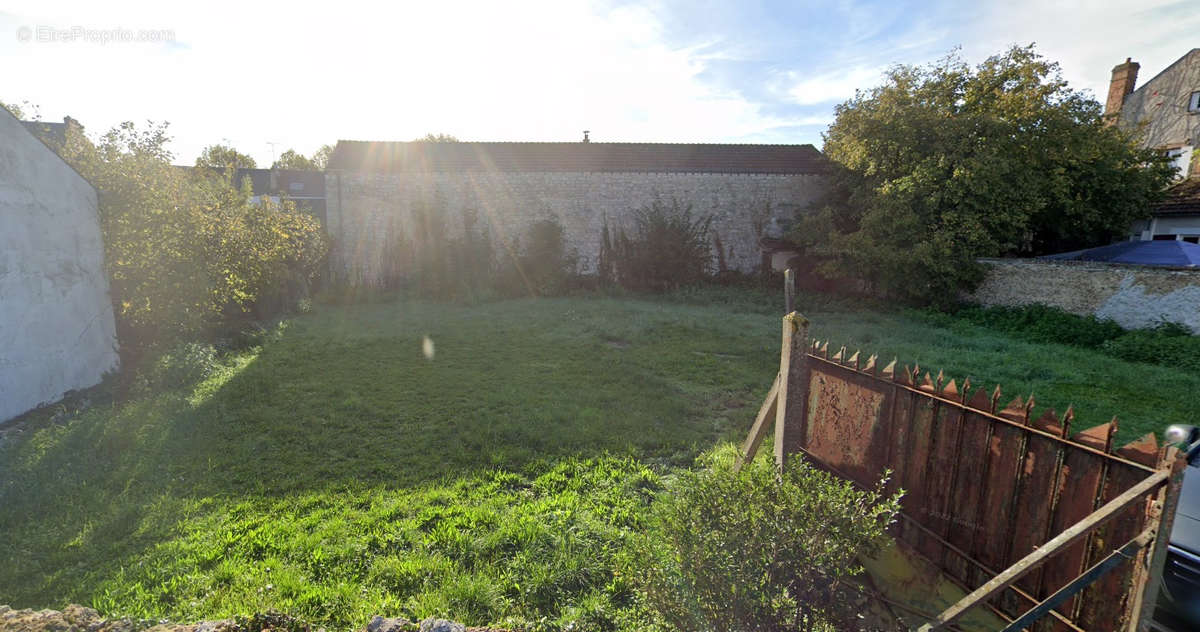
<point>425,156</point>
<point>47,131</point>
<point>1182,199</point>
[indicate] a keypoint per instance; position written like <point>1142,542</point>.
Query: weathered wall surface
<point>1133,296</point>
<point>365,209</point>
<point>56,321</point>
<point>1159,108</point>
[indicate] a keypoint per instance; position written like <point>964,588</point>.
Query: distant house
<point>305,188</point>
<point>750,191</point>
<point>53,134</point>
<point>1166,112</point>
<point>1176,217</point>
<point>1165,109</point>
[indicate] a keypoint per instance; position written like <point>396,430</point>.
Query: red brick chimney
<point>1124,76</point>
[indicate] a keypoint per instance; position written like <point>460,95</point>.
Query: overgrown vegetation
<point>188,255</point>
<point>332,472</point>
<point>1168,344</point>
<point>442,261</point>
<point>943,164</point>
<point>663,248</point>
<point>755,551</point>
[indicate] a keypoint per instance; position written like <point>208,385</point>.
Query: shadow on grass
<point>344,402</point>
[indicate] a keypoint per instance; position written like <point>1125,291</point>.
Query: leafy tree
<point>224,157</point>
<point>943,164</point>
<point>438,138</point>
<point>19,111</point>
<point>187,253</point>
<point>292,159</point>
<point>320,157</point>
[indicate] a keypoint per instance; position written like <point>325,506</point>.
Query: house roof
<point>1181,199</point>
<point>426,156</point>
<point>1168,68</point>
<point>47,130</point>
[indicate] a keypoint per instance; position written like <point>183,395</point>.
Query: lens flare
<point>427,347</point>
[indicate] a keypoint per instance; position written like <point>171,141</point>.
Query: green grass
<point>335,472</point>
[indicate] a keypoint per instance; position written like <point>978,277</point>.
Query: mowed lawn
<point>337,472</point>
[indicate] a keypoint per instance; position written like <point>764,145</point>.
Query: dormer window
<point>1194,103</point>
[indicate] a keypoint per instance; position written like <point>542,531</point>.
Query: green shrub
<point>1168,344</point>
<point>747,551</point>
<point>1039,323</point>
<point>1163,345</point>
<point>187,253</point>
<point>540,264</point>
<point>183,364</point>
<point>665,248</point>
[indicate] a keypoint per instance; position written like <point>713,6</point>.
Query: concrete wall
<point>1133,296</point>
<point>1160,108</point>
<point>56,321</point>
<point>363,209</point>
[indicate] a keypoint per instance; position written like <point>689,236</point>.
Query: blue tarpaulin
<point>1149,253</point>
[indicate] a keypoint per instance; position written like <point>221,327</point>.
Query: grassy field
<point>336,472</point>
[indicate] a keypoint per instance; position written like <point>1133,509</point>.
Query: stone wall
<point>364,209</point>
<point>1133,296</point>
<point>56,321</point>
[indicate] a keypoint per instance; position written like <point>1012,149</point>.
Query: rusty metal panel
<point>1004,452</point>
<point>968,492</point>
<point>1033,503</point>
<point>846,428</point>
<point>1082,473</point>
<point>902,418</point>
<point>984,484</point>
<point>940,480</point>
<point>916,501</point>
<point>1105,602</point>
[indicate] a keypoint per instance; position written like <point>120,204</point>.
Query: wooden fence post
<point>790,410</point>
<point>1160,514</point>
<point>789,291</point>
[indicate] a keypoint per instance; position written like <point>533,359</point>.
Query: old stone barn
<point>373,188</point>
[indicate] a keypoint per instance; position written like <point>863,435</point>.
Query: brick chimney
<point>1124,76</point>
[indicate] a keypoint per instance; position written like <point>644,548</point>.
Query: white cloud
<point>301,76</point>
<point>1089,38</point>
<point>359,70</point>
<point>832,87</point>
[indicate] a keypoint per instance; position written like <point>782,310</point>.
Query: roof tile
<point>425,156</point>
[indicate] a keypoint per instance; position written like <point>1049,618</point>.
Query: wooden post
<point>793,388</point>
<point>766,416</point>
<point>1161,516</point>
<point>789,291</point>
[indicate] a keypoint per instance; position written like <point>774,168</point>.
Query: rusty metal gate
<point>1049,529</point>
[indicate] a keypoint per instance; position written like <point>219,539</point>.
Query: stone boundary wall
<point>1133,296</point>
<point>365,210</point>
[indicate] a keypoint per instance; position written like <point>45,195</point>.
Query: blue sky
<point>265,77</point>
